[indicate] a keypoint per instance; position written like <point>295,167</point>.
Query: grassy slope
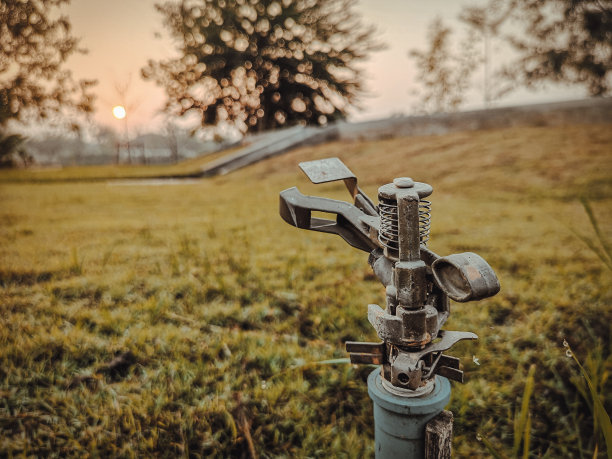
<point>222,303</point>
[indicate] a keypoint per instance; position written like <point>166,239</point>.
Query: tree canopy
<point>262,64</point>
<point>559,41</point>
<point>443,72</point>
<point>35,41</point>
<point>562,41</point>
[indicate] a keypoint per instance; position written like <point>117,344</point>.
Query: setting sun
<point>119,112</point>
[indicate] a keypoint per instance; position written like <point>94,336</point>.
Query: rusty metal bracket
<point>331,170</point>
<point>296,209</point>
<point>410,367</point>
<point>368,353</point>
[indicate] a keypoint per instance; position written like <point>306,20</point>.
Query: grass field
<point>189,319</point>
<point>109,172</point>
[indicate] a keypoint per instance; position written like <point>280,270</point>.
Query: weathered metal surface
<point>369,353</point>
<point>421,365</point>
<point>406,370</point>
<point>465,276</point>
<point>328,170</point>
<point>333,169</point>
<point>296,209</point>
<point>390,190</point>
<point>408,227</point>
<point>418,282</point>
<point>410,280</point>
<point>403,182</point>
<point>438,436</point>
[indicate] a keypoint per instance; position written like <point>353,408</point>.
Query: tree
<point>11,147</point>
<point>443,73</point>
<point>34,49</point>
<point>35,43</point>
<point>170,132</point>
<point>562,41</point>
<point>485,23</point>
<point>262,64</point>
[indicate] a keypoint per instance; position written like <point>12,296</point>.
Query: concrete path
<point>272,144</point>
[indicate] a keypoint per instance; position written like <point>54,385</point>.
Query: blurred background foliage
<point>263,64</point>
<point>514,44</point>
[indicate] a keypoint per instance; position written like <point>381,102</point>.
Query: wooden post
<point>438,436</point>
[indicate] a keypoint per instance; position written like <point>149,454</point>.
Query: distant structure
<point>143,149</point>
<point>160,149</point>
<point>585,111</point>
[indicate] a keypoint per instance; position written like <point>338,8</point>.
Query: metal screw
<point>403,182</point>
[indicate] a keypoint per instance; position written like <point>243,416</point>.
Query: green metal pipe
<point>399,422</point>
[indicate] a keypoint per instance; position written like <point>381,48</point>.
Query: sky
<point>120,36</point>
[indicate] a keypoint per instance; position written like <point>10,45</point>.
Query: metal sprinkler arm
<point>418,282</point>
<point>296,209</point>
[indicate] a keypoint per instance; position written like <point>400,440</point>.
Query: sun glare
<point>119,112</point>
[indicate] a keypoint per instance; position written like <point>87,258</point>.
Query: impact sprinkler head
<point>418,282</point>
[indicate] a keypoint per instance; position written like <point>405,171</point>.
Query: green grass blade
<point>520,422</point>
<point>601,416</point>
<point>527,438</point>
<point>593,248</point>
<point>602,240</point>
<point>496,454</point>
